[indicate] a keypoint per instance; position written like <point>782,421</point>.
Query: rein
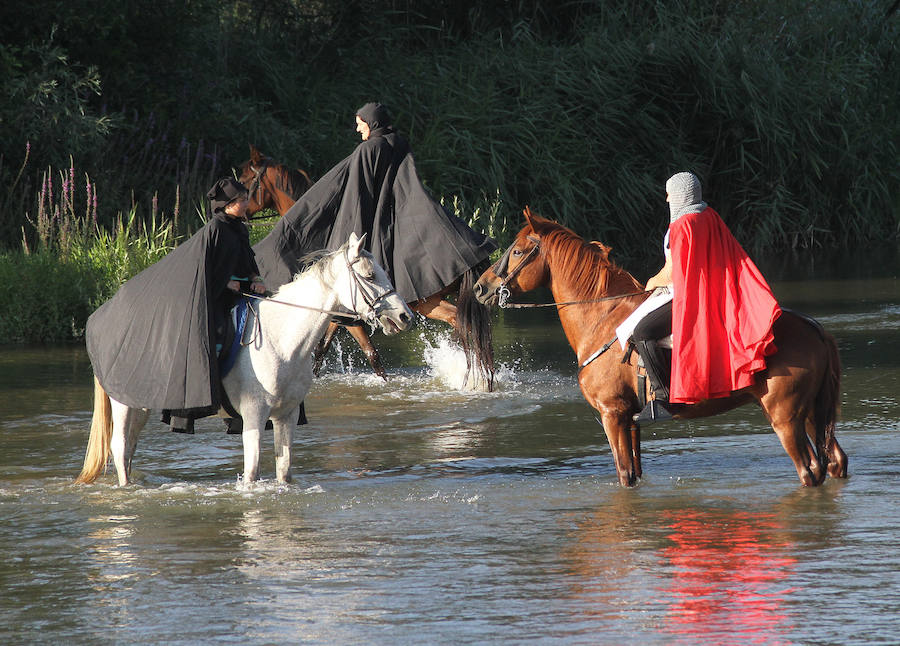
<point>503,292</point>
<point>356,280</point>
<point>508,305</point>
<point>297,305</point>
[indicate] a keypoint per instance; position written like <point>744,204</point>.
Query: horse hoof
<point>628,479</point>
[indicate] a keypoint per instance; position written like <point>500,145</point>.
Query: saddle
<point>231,335</point>
<point>234,334</point>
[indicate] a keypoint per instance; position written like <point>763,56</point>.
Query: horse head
<point>367,292</point>
<point>271,185</point>
<point>521,268</point>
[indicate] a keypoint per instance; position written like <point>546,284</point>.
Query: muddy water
<point>421,513</point>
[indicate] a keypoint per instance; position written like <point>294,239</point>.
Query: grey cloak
<point>153,344</point>
<point>376,191</point>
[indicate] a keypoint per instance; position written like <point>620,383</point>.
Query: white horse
<point>272,375</point>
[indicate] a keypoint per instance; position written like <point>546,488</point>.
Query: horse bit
<point>502,265</point>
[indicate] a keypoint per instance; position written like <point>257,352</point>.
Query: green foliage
<point>45,298</point>
<point>47,295</point>
<point>47,99</point>
<point>782,116</point>
<point>45,115</point>
<point>785,109</point>
<point>69,264</point>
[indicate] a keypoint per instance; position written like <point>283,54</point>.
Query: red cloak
<point>722,312</point>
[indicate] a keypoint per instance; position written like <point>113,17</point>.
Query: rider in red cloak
<point>721,313</point>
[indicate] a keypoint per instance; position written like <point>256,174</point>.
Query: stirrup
<point>654,411</point>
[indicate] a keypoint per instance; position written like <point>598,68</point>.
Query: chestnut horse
<point>799,390</point>
<point>275,186</point>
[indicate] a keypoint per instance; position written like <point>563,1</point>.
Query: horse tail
<point>98,447</point>
<point>828,399</point>
<point>473,321</point>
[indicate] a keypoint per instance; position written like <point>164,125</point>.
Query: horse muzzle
<point>485,293</point>
<point>393,321</point>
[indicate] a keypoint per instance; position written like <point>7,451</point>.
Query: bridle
<point>362,285</point>
<point>256,186</point>
<point>503,292</point>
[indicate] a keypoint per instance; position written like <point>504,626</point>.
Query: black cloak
<point>376,191</point>
<point>153,344</point>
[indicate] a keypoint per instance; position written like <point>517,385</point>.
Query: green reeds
<point>786,111</point>
<point>69,263</point>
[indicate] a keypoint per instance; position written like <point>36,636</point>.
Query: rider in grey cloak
<point>154,343</point>
<point>376,191</point>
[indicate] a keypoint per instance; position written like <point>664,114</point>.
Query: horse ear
<point>604,250</point>
<point>531,218</point>
<point>356,242</point>
<point>527,214</point>
<point>255,155</point>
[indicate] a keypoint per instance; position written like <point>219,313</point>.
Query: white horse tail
<point>98,447</point>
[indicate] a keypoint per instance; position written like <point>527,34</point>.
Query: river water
<point>421,513</point>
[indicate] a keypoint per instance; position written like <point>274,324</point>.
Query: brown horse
<point>275,186</point>
<point>798,392</point>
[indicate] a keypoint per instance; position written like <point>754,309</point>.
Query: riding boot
<point>656,365</point>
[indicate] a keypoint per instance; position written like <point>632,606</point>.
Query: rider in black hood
<point>154,343</point>
<point>376,191</point>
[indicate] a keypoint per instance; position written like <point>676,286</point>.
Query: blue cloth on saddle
<point>239,320</point>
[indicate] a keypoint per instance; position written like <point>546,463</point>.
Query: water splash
<point>446,362</point>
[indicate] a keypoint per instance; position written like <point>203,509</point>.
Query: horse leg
<point>832,451</point>
<point>837,459</point>
<point>362,338</point>
<point>283,433</point>
<point>127,425</point>
<point>434,307</point>
<point>636,449</point>
<point>251,439</point>
<point>359,333</point>
<point>322,347</point>
<point>620,432</point>
<point>792,432</point>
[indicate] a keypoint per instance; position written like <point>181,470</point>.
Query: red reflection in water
<point>729,574</point>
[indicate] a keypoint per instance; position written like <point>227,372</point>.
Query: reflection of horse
<point>798,392</point>
<point>273,372</point>
<point>273,185</point>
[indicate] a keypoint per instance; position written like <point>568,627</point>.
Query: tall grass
<point>785,109</point>
<point>789,135</point>
<point>69,264</point>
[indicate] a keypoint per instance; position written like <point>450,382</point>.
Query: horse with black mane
<point>274,185</point>
<point>799,391</point>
